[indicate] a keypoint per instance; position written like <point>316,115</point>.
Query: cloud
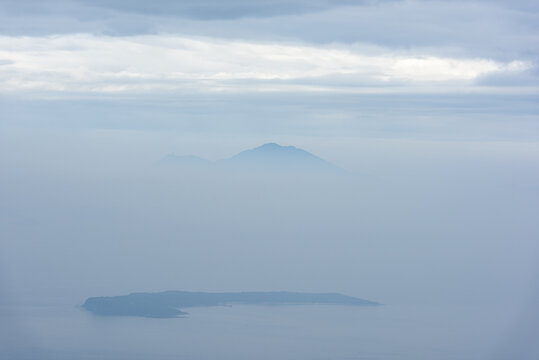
<point>190,9</point>
<point>211,9</point>
<point>103,64</point>
<point>486,29</point>
<point>527,77</point>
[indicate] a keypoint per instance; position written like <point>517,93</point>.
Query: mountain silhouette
<point>270,156</point>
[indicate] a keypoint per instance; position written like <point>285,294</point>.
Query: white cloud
<point>89,63</point>
<point>445,69</point>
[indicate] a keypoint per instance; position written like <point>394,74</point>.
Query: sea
<point>242,332</point>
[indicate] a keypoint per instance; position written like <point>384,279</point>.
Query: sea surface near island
<point>298,332</point>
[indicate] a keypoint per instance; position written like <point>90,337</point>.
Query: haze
<point>429,108</point>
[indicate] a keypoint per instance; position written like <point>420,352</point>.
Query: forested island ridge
<point>168,304</point>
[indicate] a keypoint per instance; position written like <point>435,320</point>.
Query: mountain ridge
<point>166,304</point>
<point>269,156</point>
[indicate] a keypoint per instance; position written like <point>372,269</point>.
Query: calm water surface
<point>260,332</point>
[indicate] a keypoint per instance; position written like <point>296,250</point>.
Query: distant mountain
<point>275,156</point>
<point>166,304</point>
<point>270,156</point>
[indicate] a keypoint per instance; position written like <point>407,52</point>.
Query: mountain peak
<point>269,145</point>
<point>274,156</point>
<point>269,156</point>
<point>272,145</point>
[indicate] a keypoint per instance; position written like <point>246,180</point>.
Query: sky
<point>359,68</point>
<point>376,87</point>
<point>92,48</point>
<point>432,107</point>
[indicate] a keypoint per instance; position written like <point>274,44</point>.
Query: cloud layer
<point>120,46</point>
<point>104,64</point>
<point>493,29</point>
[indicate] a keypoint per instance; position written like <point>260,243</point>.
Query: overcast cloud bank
<point>88,63</point>
<point>67,46</point>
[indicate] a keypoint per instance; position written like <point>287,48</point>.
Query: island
<point>168,304</point>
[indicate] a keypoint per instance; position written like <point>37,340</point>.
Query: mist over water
<point>287,332</point>
<point>446,241</point>
<point>380,150</point>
